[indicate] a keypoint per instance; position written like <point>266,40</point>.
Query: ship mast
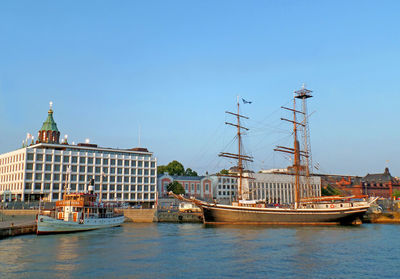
<point>303,94</point>
<point>297,153</point>
<point>239,156</point>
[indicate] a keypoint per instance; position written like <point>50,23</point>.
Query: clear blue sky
<point>174,67</point>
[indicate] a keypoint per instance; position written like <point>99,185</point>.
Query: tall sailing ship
<point>305,210</point>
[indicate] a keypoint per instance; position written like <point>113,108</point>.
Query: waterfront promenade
<point>15,222</point>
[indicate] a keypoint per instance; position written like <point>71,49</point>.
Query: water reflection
<point>193,250</point>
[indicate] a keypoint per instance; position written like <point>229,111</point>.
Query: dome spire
<point>49,132</point>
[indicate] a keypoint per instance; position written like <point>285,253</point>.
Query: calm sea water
<point>197,251</point>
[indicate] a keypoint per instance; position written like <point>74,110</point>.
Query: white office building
<point>279,188</point>
<point>224,188</point>
<point>47,169</point>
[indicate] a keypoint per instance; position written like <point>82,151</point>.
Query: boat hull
<point>48,225</point>
<point>218,214</point>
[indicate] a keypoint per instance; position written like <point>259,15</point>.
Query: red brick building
<point>379,184</point>
<point>197,186</point>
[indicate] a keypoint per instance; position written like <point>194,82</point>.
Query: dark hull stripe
<point>223,215</point>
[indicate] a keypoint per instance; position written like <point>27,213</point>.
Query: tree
<point>190,172</point>
<point>176,188</point>
<point>396,194</point>
<point>330,191</point>
<point>176,168</point>
<point>224,171</point>
<point>161,169</point>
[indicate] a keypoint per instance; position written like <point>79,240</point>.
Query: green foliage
<point>176,188</point>
<point>176,168</point>
<point>396,193</point>
<point>161,169</point>
<point>224,171</point>
<point>190,172</point>
<point>330,191</point>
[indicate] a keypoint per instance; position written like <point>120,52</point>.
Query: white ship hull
<point>49,225</point>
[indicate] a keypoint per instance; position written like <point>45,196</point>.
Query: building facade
<point>196,186</point>
<point>276,188</point>
<point>224,188</point>
<point>378,184</point>
<point>47,169</point>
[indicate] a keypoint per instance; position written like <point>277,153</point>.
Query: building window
<point>39,157</point>
<point>30,157</point>
<point>105,161</point>
<point>49,158</point>
<point>74,159</point>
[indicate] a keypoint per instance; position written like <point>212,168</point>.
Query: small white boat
<point>78,212</point>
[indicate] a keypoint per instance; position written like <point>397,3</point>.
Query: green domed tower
<point>49,132</point>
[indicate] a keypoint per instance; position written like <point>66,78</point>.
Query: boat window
<point>326,206</point>
<point>341,205</point>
